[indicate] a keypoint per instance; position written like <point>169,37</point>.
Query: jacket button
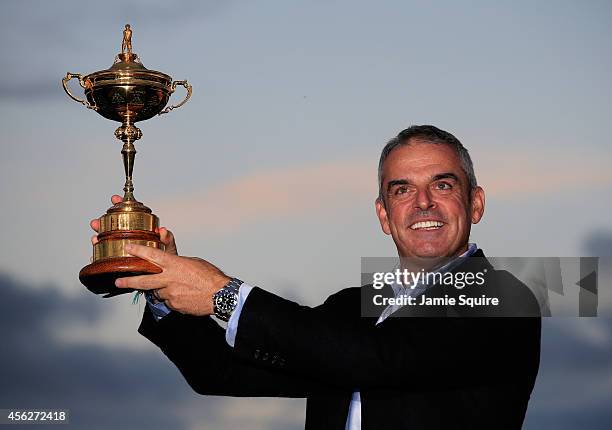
<point>256,354</point>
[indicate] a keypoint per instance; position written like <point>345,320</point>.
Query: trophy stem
<point>129,154</point>
<point>128,133</point>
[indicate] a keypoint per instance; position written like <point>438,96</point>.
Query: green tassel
<point>137,295</point>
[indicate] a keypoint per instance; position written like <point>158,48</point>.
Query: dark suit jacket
<point>412,372</point>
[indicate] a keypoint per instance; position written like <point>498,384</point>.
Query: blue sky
<point>270,170</point>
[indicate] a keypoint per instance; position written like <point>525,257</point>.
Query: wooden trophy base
<point>99,277</point>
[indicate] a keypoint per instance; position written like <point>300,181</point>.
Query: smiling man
<point>429,197</point>
<point>362,372</point>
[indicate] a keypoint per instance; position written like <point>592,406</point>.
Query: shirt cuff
<point>232,324</point>
<point>158,309</point>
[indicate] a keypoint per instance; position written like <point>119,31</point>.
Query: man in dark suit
<point>404,369</point>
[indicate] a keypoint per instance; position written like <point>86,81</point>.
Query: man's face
<point>427,206</point>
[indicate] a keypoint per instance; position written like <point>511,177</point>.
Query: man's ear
<point>478,204</point>
<point>381,211</point>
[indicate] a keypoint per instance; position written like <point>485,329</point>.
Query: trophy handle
<point>65,80</point>
<point>187,97</point>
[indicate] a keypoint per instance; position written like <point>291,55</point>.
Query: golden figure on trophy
<point>127,92</point>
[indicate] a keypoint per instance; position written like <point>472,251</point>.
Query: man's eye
<point>400,190</point>
<point>443,186</point>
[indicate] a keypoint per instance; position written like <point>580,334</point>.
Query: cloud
<point>110,387</point>
<point>104,387</point>
<point>525,172</point>
<point>599,243</point>
<point>574,384</point>
<point>275,194</point>
<point>283,193</point>
<point>41,40</point>
<point>42,89</point>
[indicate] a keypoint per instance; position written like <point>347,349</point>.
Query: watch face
<point>226,299</point>
<point>226,302</point>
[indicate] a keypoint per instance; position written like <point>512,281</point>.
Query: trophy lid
<point>127,91</point>
<point>127,62</point>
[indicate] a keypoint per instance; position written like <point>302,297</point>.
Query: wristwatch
<point>226,299</point>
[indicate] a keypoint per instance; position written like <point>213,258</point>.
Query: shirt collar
<point>399,288</point>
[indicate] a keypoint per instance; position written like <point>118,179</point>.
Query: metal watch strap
<point>226,299</point>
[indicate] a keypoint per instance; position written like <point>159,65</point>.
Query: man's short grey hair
<point>427,134</point>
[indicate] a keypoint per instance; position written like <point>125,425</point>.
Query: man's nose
<point>423,200</point>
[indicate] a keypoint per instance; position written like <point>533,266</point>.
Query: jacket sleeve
<point>407,353</point>
<point>197,346</point>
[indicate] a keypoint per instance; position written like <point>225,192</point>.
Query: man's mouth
<point>427,225</point>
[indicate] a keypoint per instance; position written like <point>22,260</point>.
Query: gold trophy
<point>126,92</point>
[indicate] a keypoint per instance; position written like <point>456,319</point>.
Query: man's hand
<point>165,235</point>
<point>186,284</point>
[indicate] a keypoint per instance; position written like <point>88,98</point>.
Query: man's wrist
<point>157,308</point>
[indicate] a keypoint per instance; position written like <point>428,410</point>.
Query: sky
<point>269,171</point>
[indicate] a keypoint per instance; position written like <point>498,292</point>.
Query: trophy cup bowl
<point>127,92</point>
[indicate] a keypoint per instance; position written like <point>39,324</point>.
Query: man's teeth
<point>429,225</point>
